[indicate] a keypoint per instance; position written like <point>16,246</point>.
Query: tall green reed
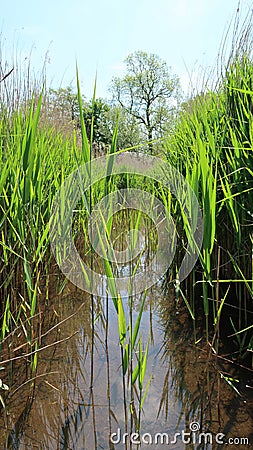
<point>212,147</point>
<point>34,161</point>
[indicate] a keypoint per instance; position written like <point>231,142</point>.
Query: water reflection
<point>69,409</point>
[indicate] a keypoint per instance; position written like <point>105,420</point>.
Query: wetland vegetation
<point>75,366</point>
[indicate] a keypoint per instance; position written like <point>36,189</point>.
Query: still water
<point>68,408</point>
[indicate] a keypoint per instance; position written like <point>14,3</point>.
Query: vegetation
<point>148,92</point>
<point>211,146</point>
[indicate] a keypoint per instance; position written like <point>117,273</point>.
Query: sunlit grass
<point>211,146</point>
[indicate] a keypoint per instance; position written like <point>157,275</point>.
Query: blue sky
<point>185,33</point>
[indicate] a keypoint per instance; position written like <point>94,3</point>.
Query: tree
<point>62,109</point>
<point>128,129</point>
<point>104,118</point>
<point>96,115</point>
<point>148,92</point>
<point>64,102</point>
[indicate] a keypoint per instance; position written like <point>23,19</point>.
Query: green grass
<point>211,146</point>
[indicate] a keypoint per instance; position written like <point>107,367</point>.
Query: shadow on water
<point>60,410</point>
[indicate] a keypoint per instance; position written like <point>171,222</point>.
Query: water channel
<point>187,391</point>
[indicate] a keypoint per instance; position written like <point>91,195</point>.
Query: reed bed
<point>34,161</point>
<point>211,146</point>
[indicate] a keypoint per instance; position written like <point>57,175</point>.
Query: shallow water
<point>62,411</point>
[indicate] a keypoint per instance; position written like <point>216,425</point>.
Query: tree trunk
<point>150,138</point>
<point>149,128</point>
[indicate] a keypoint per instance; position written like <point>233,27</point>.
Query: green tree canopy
<point>148,92</point>
<point>63,101</point>
<point>96,115</point>
<point>129,134</point>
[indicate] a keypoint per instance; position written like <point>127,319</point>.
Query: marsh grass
<point>34,161</point>
<point>212,147</point>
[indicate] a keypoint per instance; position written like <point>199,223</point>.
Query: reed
<point>34,160</point>
<point>212,147</point>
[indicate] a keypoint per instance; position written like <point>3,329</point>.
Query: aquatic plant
<point>212,147</point>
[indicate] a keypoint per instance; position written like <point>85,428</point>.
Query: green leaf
<point>138,321</point>
<point>125,359</point>
<point>121,322</point>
